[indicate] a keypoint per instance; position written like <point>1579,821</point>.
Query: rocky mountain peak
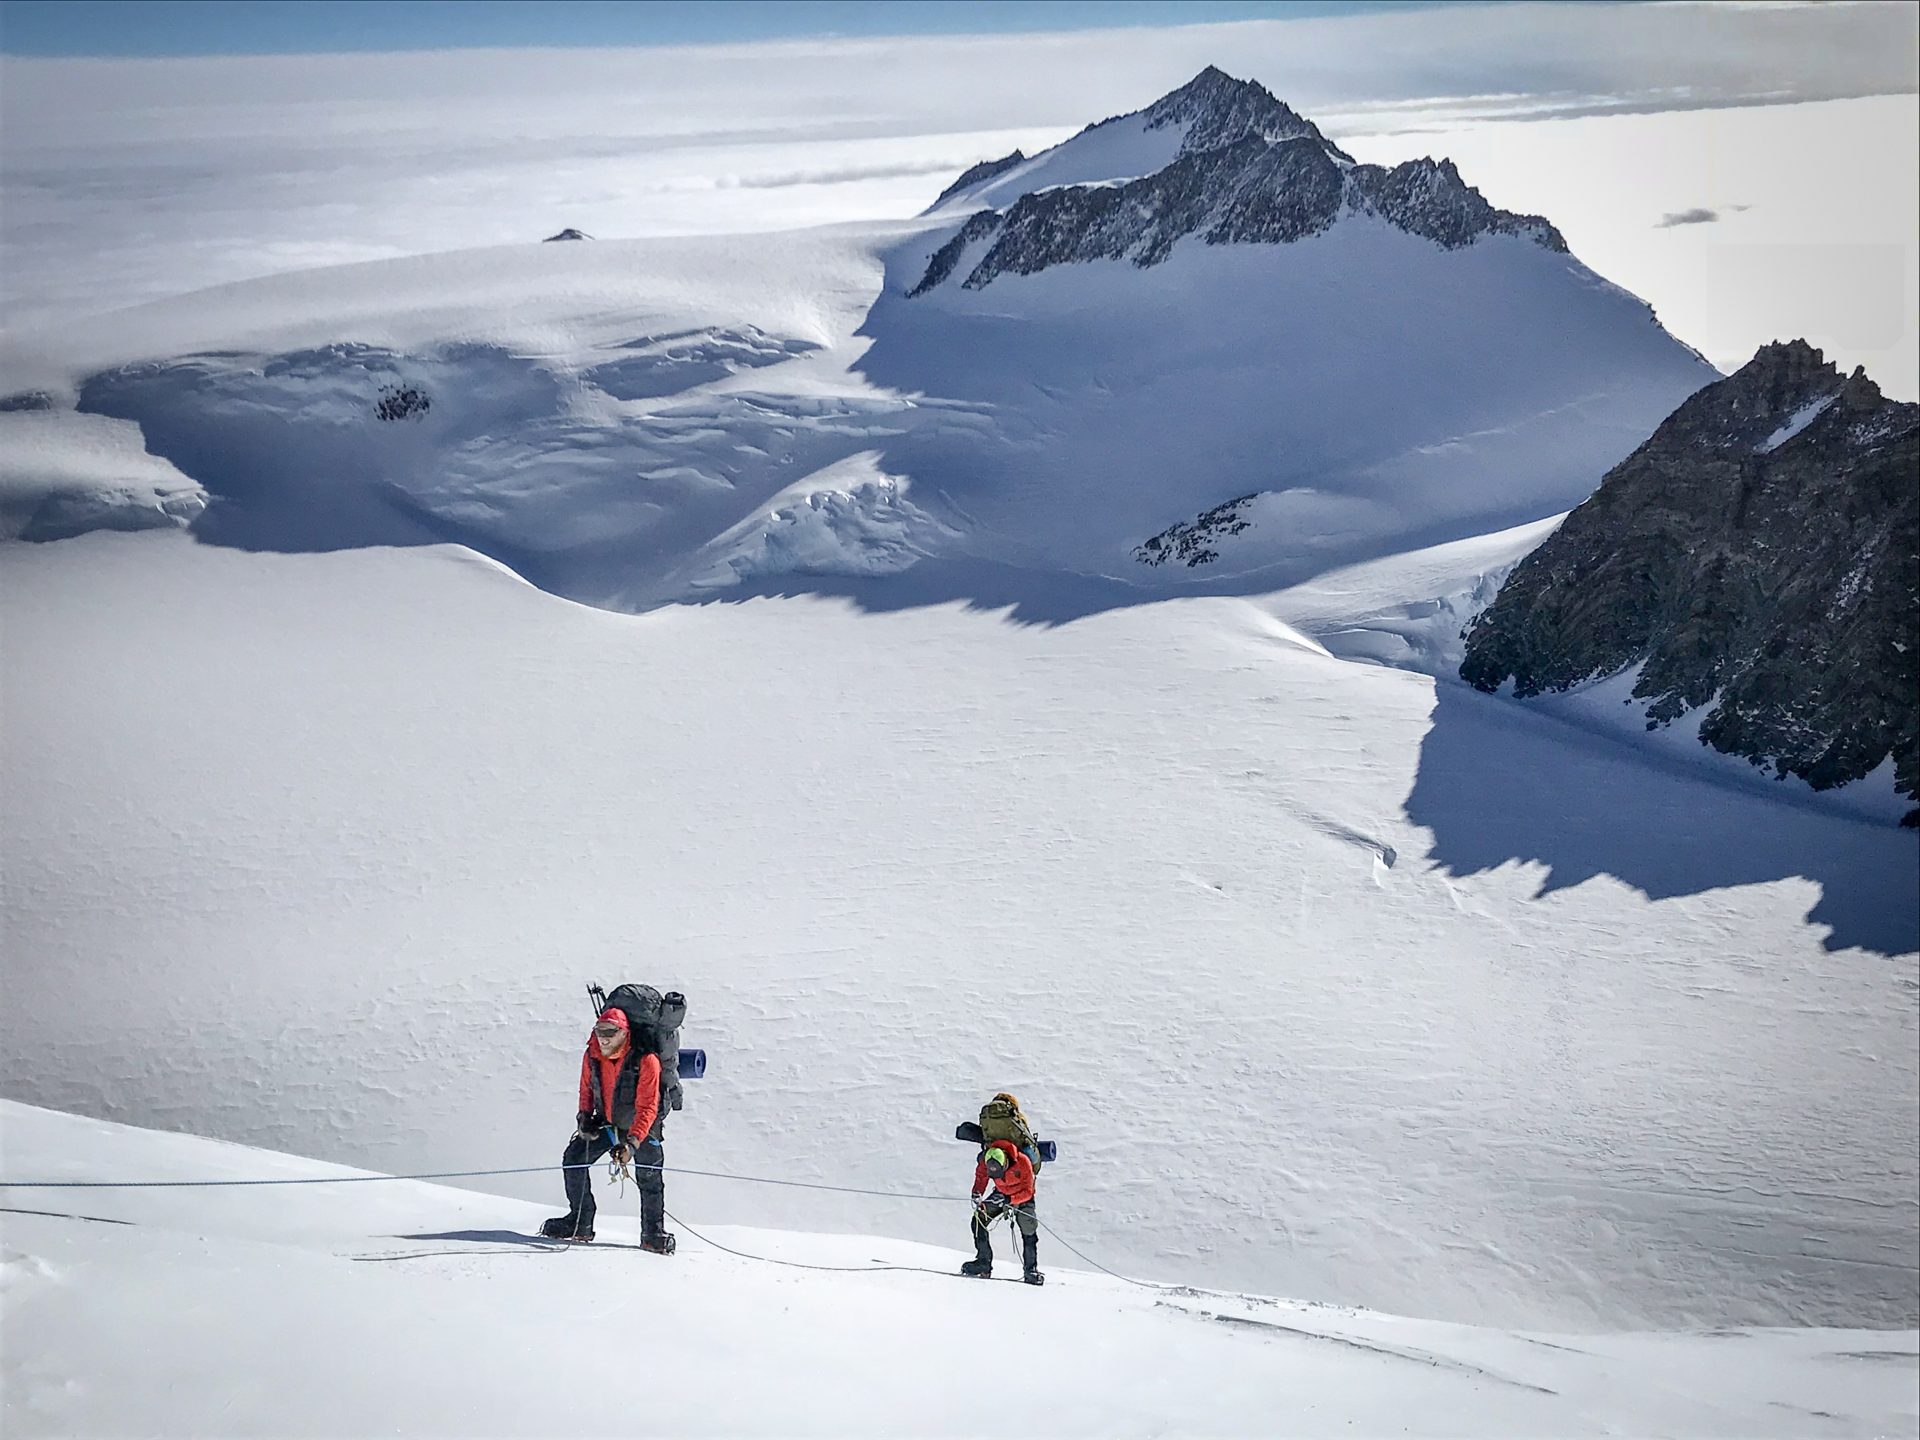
<point>1749,410</point>
<point>1219,110</point>
<point>1248,170</point>
<point>1757,557</point>
<point>1860,394</point>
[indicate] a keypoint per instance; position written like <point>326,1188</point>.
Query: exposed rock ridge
<point>1253,191</point>
<point>1220,110</point>
<point>979,175</point>
<point>1191,541</point>
<point>1759,554</point>
<point>1249,171</point>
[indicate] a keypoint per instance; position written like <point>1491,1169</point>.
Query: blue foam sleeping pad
<point>970,1132</point>
<point>693,1064</point>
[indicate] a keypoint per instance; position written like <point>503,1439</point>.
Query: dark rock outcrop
<point>1250,171</point>
<point>567,234</point>
<point>1759,554</point>
<point>1220,111</point>
<point>979,175</point>
<point>1191,541</point>
<point>402,402</point>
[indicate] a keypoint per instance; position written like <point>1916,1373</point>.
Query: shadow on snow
<point>1499,783</point>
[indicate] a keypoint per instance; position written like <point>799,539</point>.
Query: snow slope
<point>879,737</point>
<point>169,1312</point>
<point>1122,148</point>
<point>1330,981</point>
<point>624,423</point>
<point>66,474</point>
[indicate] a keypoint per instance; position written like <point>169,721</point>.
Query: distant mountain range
<point>1194,347</point>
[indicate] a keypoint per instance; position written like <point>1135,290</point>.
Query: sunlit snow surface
<point>1330,981</point>
<point>623,422</point>
<point>420,1310</point>
<point>876,738</point>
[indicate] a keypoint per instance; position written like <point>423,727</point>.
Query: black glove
<point>620,1153</point>
<point>587,1124</point>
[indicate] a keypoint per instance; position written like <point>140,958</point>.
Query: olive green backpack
<point>1001,1119</point>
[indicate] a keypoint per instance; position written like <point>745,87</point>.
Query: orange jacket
<point>646,1085</point>
<point>1016,1186</point>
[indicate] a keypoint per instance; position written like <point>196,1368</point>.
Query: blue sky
<point>267,27</point>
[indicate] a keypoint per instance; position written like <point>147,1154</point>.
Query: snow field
<point>631,423</point>
<point>1268,940</point>
<point>415,1309</point>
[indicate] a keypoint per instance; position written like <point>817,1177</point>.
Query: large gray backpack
<point>654,1021</point>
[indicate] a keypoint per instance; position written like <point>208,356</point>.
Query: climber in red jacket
<point>619,1110</point>
<point>1003,1185</point>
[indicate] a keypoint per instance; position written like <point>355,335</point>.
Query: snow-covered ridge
<point>426,1310</point>
<point>63,474</point>
<point>1211,111</point>
<point>1246,170</point>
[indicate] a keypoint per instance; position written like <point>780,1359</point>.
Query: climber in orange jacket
<point>1003,1185</point>
<point>619,1110</point>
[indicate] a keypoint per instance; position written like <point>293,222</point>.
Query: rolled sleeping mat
<point>693,1064</point>
<point>968,1131</point>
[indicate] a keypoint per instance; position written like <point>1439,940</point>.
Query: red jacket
<point>1015,1187</point>
<point>646,1086</point>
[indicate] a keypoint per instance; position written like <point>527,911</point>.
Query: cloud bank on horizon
<point>122,181</point>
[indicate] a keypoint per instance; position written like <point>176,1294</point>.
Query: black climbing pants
<point>648,1159</point>
<point>1024,1216</point>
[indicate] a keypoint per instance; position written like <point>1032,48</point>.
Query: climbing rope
<point>450,1175</point>
<point>875,1268</point>
<point>618,1172</point>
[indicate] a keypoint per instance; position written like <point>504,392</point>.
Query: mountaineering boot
<point>1030,1260</point>
<point>661,1244</point>
<point>562,1227</point>
<point>981,1266</point>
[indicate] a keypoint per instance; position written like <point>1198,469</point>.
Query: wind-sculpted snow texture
<point>423,1310</point>
<point>1758,560</point>
<point>349,832</point>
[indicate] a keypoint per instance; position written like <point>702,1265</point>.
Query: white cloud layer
<point>126,180</point>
